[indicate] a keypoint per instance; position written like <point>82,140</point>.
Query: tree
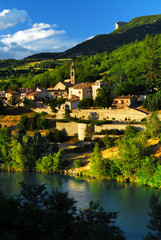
<point>50,163</point>
<point>97,166</point>
<point>103,98</point>
<point>97,224</point>
<point>85,103</point>
<point>152,67</point>
<point>155,219</point>
<point>153,125</point>
<point>5,145</point>
<point>38,214</point>
<point>89,131</point>
<point>28,104</point>
<point>67,113</point>
<point>26,150</point>
<point>107,141</point>
<point>132,152</point>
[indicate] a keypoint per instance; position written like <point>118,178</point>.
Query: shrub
<point>78,163</point>
<point>108,141</point>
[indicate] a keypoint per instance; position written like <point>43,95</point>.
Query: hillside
<point>136,29</point>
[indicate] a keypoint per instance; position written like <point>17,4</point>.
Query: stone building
<point>81,90</point>
<point>85,90</point>
<point>124,101</point>
<point>62,87</point>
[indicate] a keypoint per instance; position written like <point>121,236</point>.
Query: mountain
<point>136,29</point>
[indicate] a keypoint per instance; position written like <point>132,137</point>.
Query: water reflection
<point>130,200</point>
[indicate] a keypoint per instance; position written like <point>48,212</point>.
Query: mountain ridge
<point>136,29</point>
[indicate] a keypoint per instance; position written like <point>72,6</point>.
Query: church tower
<point>72,73</point>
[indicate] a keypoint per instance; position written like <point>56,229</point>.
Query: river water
<point>130,200</point>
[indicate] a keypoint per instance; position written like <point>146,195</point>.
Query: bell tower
<point>72,73</point>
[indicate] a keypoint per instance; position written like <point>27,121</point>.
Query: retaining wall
<point>78,129</point>
<point>117,114</point>
<point>70,127</point>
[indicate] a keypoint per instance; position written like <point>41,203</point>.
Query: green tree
<point>103,98</point>
<point>5,145</point>
<point>155,219</point>
<point>97,166</point>
<point>67,114</point>
<point>152,68</point>
<point>132,152</point>
<point>85,103</point>
<point>37,214</point>
<point>78,163</point>
<point>89,131</point>
<point>153,125</point>
<point>108,141</point>
<point>50,163</point>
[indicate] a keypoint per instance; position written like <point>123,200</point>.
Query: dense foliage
<point>101,167</point>
<point>37,214</point>
<point>23,152</point>
<point>153,102</point>
<point>154,225</point>
<point>33,123</point>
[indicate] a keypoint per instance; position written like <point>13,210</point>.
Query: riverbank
<point>113,153</point>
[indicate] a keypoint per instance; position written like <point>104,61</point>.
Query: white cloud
<point>2,14</point>
<point>10,18</point>
<point>41,25</point>
<point>38,31</point>
<point>40,37</point>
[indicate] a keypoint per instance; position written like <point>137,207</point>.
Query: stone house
<point>2,94</point>
<point>84,90</point>
<point>33,96</point>
<point>71,103</point>
<point>95,86</point>
<point>43,93</point>
<point>12,94</point>
<point>124,101</point>
<point>81,90</point>
<point>60,90</point>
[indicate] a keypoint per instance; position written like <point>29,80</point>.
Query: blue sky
<point>28,27</point>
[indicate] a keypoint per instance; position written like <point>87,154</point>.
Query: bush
<point>108,141</point>
<point>34,123</point>
<point>50,163</point>
<point>78,163</point>
<point>38,214</point>
<point>56,135</point>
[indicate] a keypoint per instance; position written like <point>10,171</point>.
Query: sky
<point>35,26</point>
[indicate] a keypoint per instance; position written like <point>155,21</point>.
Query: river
<point>130,200</point>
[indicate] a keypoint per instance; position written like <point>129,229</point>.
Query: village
<point>122,111</point>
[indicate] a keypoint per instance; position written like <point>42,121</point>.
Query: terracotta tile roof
<point>74,97</point>
<point>82,85</point>
<point>11,91</point>
<point>32,93</point>
<point>124,97</point>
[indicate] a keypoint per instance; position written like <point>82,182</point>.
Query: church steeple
<point>72,73</point>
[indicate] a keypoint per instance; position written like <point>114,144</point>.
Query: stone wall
<point>78,129</point>
<point>117,126</point>
<point>70,127</point>
<point>48,110</point>
<point>81,131</point>
<point>117,114</point>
